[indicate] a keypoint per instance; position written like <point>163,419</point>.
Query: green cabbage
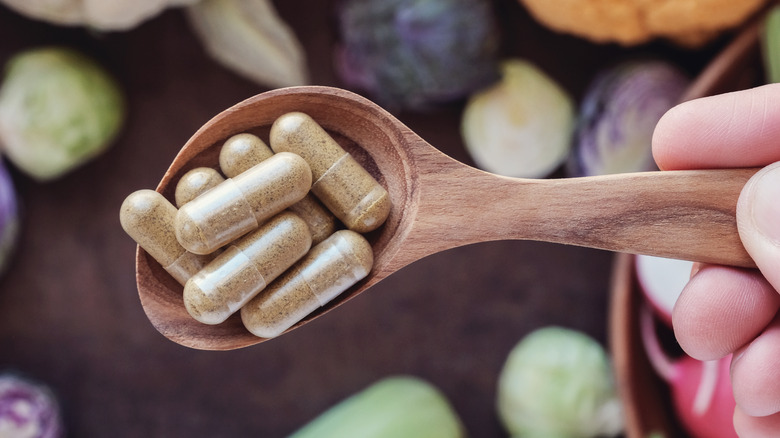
<point>58,109</point>
<point>395,407</point>
<point>558,383</point>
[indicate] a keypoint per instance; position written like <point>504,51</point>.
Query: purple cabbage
<point>417,53</point>
<point>618,115</point>
<point>28,410</point>
<point>9,217</point>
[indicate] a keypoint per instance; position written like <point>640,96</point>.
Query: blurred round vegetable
<point>101,14</point>
<point>522,125</point>
<point>394,407</point>
<point>9,217</point>
<point>58,109</point>
<point>414,53</point>
<point>28,410</point>
<point>558,382</point>
<point>618,115</point>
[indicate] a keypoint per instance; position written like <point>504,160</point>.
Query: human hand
<point>723,309</point>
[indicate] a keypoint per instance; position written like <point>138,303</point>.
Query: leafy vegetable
<point>9,217</point>
<point>249,37</point>
<point>415,53</point>
<point>28,410</point>
<point>770,44</point>
<point>100,14</point>
<point>521,126</point>
<point>618,116</point>
<point>58,109</point>
<point>395,407</point>
<point>558,382</point>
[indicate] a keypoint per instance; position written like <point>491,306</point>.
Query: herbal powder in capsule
<point>328,269</point>
<point>148,218</point>
<point>245,268</point>
<point>241,204</point>
<point>241,152</point>
<point>194,183</point>
<point>340,182</point>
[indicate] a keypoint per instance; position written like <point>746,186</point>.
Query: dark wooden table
<point>69,309</point>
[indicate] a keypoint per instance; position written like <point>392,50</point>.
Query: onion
<point>28,410</point>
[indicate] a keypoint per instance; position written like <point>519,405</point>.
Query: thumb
<point>758,220</point>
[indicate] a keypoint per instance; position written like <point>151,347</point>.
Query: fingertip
<point>667,135</point>
<point>758,220</point>
<point>721,309</point>
<point>756,427</point>
<point>737,129</point>
<point>755,374</point>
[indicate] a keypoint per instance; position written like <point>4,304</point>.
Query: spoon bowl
<point>439,203</point>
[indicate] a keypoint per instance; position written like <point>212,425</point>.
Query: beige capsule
<point>321,222</point>
<point>242,151</point>
<point>239,205</point>
<point>328,269</point>
<point>245,267</point>
<point>194,183</point>
<point>340,182</point>
<point>148,218</point>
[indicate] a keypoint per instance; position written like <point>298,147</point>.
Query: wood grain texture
<point>646,399</point>
<point>439,203</point>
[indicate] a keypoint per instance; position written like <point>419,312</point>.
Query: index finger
<point>738,129</point>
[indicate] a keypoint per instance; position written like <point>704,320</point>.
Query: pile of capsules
<point>266,240</point>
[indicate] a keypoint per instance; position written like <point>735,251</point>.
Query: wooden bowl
<point>645,396</point>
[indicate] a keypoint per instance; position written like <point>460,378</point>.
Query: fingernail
<point>695,268</point>
<point>766,203</point>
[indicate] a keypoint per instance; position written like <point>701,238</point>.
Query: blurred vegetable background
<point>98,96</point>
<point>618,115</point>
<point>28,409</point>
<point>9,217</point>
<point>58,109</point>
<point>558,382</point>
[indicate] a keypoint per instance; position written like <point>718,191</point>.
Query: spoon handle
<point>688,215</point>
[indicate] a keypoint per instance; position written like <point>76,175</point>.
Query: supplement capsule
<point>241,204</point>
<point>320,221</point>
<point>242,151</point>
<point>328,269</point>
<point>148,218</point>
<point>245,268</point>
<point>340,182</point>
<point>194,183</point>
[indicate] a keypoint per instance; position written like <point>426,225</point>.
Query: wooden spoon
<point>440,203</point>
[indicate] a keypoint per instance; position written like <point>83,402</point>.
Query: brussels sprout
<point>558,383</point>
<point>521,126</point>
<point>394,407</point>
<point>618,115</point>
<point>415,53</point>
<point>58,109</point>
<point>28,410</point>
<point>9,217</point>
